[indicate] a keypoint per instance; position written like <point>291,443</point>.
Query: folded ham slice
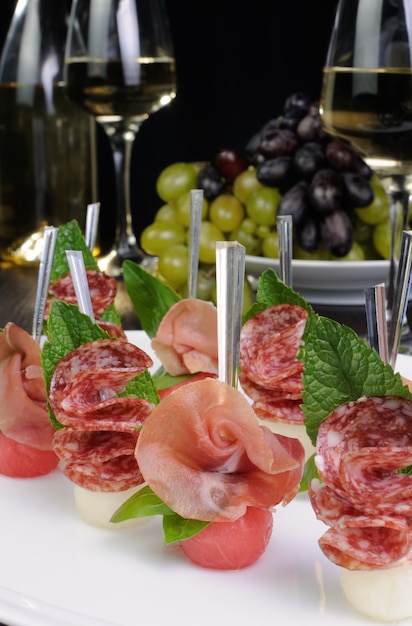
<point>204,454</point>
<point>23,416</point>
<point>186,340</point>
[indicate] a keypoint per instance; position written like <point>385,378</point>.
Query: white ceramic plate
<point>327,282</point>
<point>55,570</point>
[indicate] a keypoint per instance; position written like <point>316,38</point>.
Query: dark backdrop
<point>236,64</point>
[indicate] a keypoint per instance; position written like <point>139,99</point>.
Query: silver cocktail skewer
<point>92,221</point>
<point>79,278</point>
<point>400,299</point>
<point>375,303</point>
<point>43,281</point>
<point>196,203</point>
<point>230,276</point>
<point>284,228</point>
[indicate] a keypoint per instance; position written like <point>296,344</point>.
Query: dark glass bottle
<point>47,144</point>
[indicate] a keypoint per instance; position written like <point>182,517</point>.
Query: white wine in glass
<point>367,97</point>
<point>120,67</point>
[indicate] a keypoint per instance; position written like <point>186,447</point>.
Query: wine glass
<point>366,99</point>
<point>120,67</point>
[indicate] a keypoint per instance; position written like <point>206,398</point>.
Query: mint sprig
<point>70,237</point>
<point>340,367</point>
<point>150,297</point>
<point>145,503</point>
<point>67,329</point>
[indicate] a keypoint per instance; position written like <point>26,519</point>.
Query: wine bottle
<point>47,144</point>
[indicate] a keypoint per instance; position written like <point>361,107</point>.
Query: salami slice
<point>103,289</point>
<point>97,445</point>
<point>270,373</point>
<point>365,499</point>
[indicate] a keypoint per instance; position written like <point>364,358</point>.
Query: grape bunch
<point>291,166</point>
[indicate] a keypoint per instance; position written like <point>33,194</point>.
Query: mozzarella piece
<point>97,507</point>
<point>381,594</point>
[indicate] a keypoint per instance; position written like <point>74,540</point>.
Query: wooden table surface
<point>18,290</point>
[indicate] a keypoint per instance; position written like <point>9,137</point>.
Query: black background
<point>236,64</point>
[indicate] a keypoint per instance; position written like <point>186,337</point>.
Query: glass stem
<point>125,240</point>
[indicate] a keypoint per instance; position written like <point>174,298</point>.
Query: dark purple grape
<point>326,191</point>
<point>280,141</point>
<point>309,128</point>
<point>275,172</point>
<point>295,202</point>
<point>340,156</point>
<point>298,100</point>
<point>336,231</point>
<point>211,182</point>
<point>230,163</point>
<point>308,233</point>
<point>363,168</point>
<point>290,118</point>
<point>358,191</point>
<point>308,159</point>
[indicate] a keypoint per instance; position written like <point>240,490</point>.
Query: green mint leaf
<point>143,503</point>
<point>111,315</point>
<point>150,297</point>
<point>271,290</point>
<point>309,473</point>
<point>340,367</point>
<point>164,380</point>
<point>70,237</point>
<point>142,387</point>
<point>178,528</point>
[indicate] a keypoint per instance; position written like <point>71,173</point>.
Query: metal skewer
<point>79,278</point>
<point>284,228</point>
<point>230,276</point>
<point>92,221</point>
<point>375,303</point>
<point>401,294</point>
<point>43,281</point>
<point>196,203</point>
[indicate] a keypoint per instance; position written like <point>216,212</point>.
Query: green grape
<point>248,296</point>
<point>252,243</point>
<point>165,213</point>
<point>248,226</point>
<point>270,245</point>
<point>226,212</point>
<point>382,239</point>
<point>363,232</point>
<point>378,211</point>
<point>356,253</point>
<point>206,281</point>
<point>173,265</point>
<point>262,205</point>
<point>321,254</point>
<point>183,209</point>
<point>209,235</point>
<point>245,184</point>
<point>160,235</point>
<point>262,230</point>
<point>175,180</point>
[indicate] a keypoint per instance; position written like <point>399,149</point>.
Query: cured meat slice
<point>23,416</point>
<point>270,343</point>
<point>365,499</point>
<point>270,373</point>
<point>99,461</point>
<point>103,289</point>
<point>186,340</point>
<point>97,445</point>
<point>204,454</point>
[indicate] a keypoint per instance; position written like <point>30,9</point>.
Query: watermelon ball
<point>19,460</point>
<point>231,545</point>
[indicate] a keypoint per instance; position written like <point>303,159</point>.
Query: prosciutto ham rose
<point>186,339</point>
<point>203,452</point>
<point>26,432</point>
